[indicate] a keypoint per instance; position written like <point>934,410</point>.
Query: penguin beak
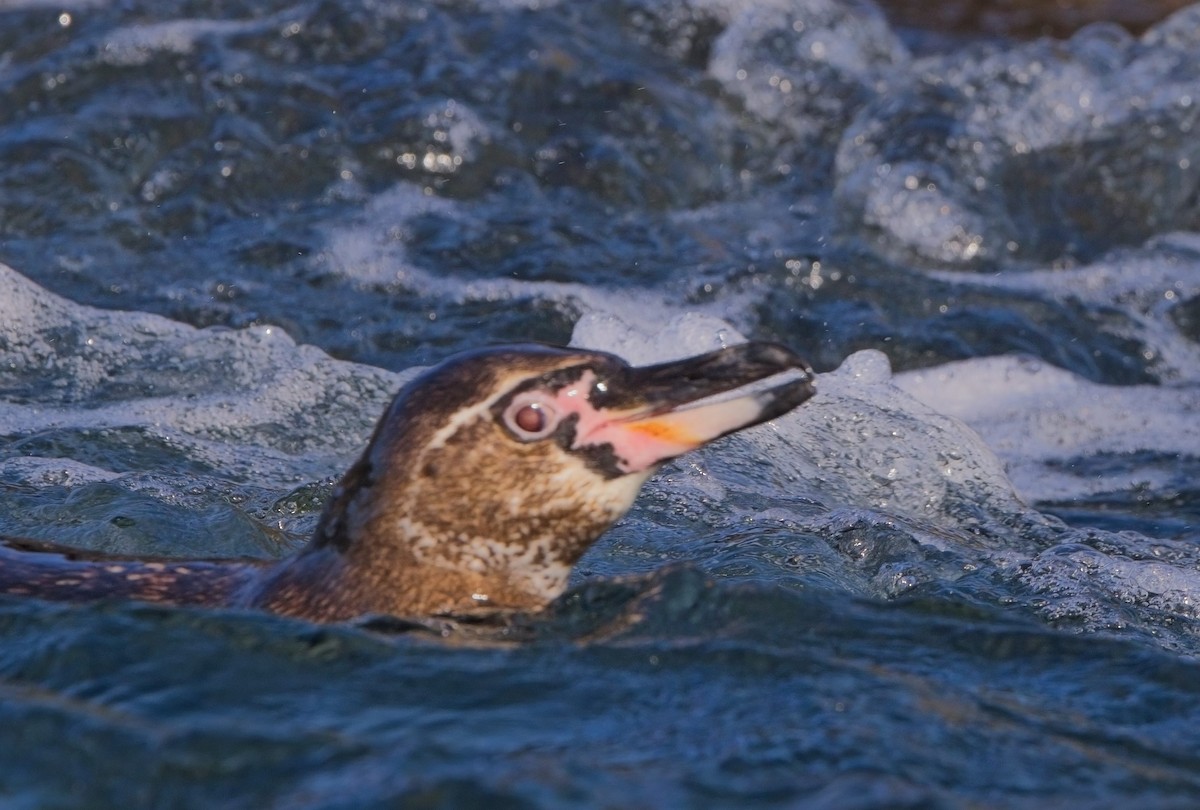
<point>659,412</point>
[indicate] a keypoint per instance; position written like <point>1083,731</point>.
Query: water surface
<point>966,574</point>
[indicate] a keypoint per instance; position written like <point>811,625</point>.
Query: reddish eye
<point>531,419</point>
<point>531,416</point>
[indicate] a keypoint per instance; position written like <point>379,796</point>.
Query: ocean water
<point>966,574</point>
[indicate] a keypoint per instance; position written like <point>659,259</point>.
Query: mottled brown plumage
<point>485,481</point>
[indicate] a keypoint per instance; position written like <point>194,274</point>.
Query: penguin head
<point>504,464</point>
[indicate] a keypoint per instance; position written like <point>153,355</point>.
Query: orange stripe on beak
<point>642,442</point>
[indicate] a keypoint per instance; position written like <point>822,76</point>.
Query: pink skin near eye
<point>639,444</point>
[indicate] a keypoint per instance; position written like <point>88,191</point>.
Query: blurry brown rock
<point>1026,18</point>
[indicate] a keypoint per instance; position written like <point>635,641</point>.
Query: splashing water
<point>965,573</point>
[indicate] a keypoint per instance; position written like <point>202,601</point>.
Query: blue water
<point>964,575</point>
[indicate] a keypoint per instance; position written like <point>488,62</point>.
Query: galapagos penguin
<point>486,479</point>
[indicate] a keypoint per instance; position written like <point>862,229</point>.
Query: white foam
<point>250,402</point>
<point>370,249</point>
<point>819,34</point>
<point>31,471</point>
<point>945,163</point>
<point>1141,284</point>
<point>1040,419</point>
<point>136,45</point>
<point>684,335</point>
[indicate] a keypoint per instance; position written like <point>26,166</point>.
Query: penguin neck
<point>465,570</point>
<point>382,553</point>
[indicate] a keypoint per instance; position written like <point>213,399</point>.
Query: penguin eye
<point>531,416</point>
